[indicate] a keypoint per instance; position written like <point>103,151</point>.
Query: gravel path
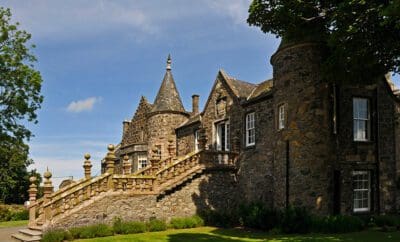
<point>5,233</point>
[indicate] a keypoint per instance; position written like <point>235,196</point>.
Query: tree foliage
<point>20,97</point>
<point>362,36</point>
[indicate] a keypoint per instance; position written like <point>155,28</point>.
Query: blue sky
<point>98,57</point>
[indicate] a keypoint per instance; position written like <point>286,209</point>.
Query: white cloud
<point>83,105</point>
<point>86,18</point>
<point>236,10</point>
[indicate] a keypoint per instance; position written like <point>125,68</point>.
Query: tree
<point>362,36</point>
<point>20,97</point>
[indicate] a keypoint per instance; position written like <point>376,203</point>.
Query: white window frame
<point>196,140</point>
<point>360,134</point>
<point>250,129</point>
<point>281,116</point>
<point>361,191</point>
<point>219,127</point>
<point>142,158</point>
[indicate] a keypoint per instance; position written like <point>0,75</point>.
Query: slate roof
<point>262,88</point>
<point>168,98</point>
<point>241,89</point>
<point>193,119</point>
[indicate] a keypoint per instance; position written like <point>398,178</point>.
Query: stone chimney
<point>125,125</point>
<point>195,104</point>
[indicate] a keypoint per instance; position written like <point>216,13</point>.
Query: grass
<point>9,224</point>
<point>240,235</point>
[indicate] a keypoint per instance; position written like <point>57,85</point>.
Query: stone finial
<point>47,184</point>
<point>110,159</point>
<point>169,61</point>
<point>87,166</point>
<point>127,166</point>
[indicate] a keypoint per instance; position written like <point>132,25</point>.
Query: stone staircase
<point>29,234</point>
<point>161,178</point>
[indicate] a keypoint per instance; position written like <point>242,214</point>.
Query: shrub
<point>97,230</point>
<point>56,235</point>
<point>121,227</point>
<point>296,220</point>
<point>386,220</point>
<point>338,224</point>
<point>20,215</point>
<point>76,232</point>
<point>13,212</point>
<point>156,225</point>
<point>256,215</point>
<point>223,219</point>
<point>188,222</point>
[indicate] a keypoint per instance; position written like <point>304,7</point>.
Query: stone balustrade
<point>151,180</point>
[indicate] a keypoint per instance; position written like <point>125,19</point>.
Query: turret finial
<point>169,62</point>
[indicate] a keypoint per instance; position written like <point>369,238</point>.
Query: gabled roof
<point>144,106</point>
<point>168,98</point>
<point>241,89</point>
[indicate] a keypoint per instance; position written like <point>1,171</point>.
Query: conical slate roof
<point>168,98</point>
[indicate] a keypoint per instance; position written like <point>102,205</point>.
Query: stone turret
<point>167,114</point>
<point>304,140</point>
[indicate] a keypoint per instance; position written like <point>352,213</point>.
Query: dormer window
<point>250,130</point>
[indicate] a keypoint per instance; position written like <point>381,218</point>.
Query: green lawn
<point>212,234</point>
<point>13,223</point>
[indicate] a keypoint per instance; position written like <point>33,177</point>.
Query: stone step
<point>26,238</point>
<point>36,227</point>
<point>31,232</point>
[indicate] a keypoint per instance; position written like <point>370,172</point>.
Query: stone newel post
<point>87,166</point>
<point>110,159</point>
<point>32,200</point>
<point>110,164</point>
<point>47,191</point>
<point>127,166</point>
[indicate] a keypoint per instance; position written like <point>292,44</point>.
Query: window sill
<point>363,141</point>
<point>248,147</point>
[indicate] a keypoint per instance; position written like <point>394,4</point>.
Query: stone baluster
<point>87,166</point>
<point>127,166</point>
<point>32,200</point>
<point>47,191</point>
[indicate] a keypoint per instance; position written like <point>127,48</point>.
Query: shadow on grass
<point>237,235</point>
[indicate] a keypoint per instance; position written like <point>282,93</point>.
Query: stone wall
<point>256,174</point>
<point>136,130</point>
<point>232,112</point>
<point>376,155</point>
<point>305,144</point>
<point>211,190</point>
<point>186,139</point>
<point>161,128</point>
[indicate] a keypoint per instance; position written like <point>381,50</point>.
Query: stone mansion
<point>300,140</point>
<point>294,139</point>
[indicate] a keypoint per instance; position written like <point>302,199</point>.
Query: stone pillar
<point>47,191</point>
<point>32,200</point>
<point>127,166</point>
<point>110,159</point>
<point>87,166</point>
